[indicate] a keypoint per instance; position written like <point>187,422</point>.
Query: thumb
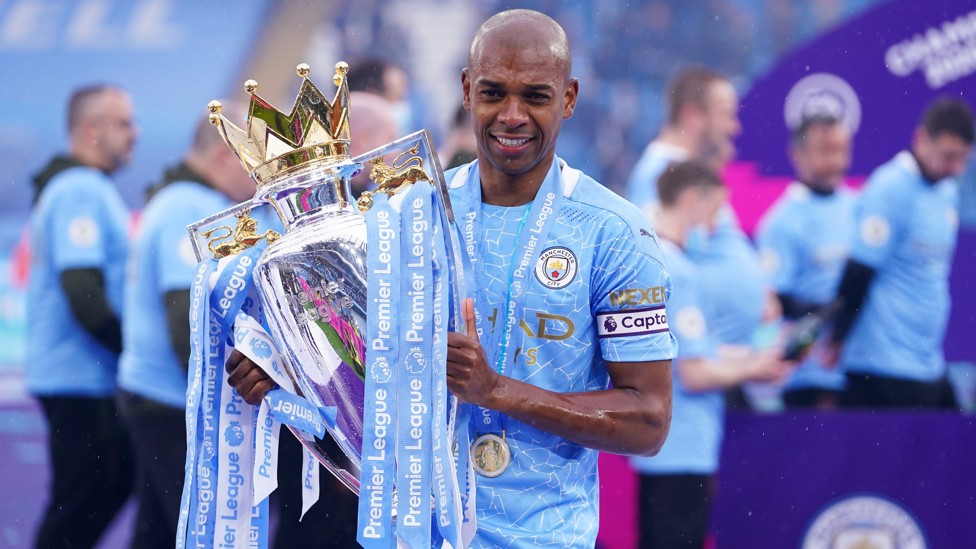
<point>467,311</point>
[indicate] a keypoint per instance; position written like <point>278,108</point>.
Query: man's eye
<point>491,94</point>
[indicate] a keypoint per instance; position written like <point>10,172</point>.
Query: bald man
<point>79,241</point>
<point>571,299</point>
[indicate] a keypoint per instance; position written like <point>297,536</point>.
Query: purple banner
<point>791,480</point>
<point>878,72</point>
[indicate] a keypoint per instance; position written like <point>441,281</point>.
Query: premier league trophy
<point>331,290</point>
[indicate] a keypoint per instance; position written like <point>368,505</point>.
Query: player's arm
<point>79,252</point>
<point>84,289</point>
<point>733,365</point>
<point>777,240</point>
<point>851,293</point>
<point>632,417</point>
<point>881,210</point>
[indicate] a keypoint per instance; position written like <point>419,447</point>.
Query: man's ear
<point>572,93</point>
<point>466,88</point>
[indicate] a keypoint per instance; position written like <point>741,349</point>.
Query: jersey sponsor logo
<point>546,326</point>
<point>822,94</point>
<point>556,267</point>
<point>875,231</point>
<point>864,521</point>
<point>632,322</point>
<point>83,231</point>
<point>690,323</point>
<point>636,297</point>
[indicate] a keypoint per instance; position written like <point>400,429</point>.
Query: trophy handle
<point>422,150</point>
<point>228,232</point>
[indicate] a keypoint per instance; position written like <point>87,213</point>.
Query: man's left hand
<point>469,376</point>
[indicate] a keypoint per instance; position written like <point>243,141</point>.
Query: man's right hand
<point>250,381</point>
<point>768,366</point>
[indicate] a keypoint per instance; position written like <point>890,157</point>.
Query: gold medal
<point>490,455</point>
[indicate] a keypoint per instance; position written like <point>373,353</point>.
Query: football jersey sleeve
<point>77,229</point>
<point>688,319</point>
<point>778,252</point>
<point>630,289</point>
<point>880,212</point>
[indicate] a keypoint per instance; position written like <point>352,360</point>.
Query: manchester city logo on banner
<point>864,521</point>
<point>556,267</point>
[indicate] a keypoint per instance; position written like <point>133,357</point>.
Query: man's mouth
<point>517,142</point>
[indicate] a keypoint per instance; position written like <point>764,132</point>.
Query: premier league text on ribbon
<point>379,420</point>
<point>413,455</point>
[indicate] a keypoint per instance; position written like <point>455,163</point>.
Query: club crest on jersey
<point>556,267</point>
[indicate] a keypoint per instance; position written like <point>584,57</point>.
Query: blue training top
<point>79,222</point>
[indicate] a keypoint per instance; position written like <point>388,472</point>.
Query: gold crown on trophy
<point>316,130</point>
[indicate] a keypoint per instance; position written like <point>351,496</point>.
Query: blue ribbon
<point>199,321</point>
<point>414,403</point>
<point>375,527</point>
<point>532,234</point>
<point>447,502</point>
<point>298,412</point>
<point>210,482</point>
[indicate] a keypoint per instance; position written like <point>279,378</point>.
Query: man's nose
<point>513,112</point>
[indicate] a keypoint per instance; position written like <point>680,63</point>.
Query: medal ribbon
<point>446,494</point>
<point>537,222</point>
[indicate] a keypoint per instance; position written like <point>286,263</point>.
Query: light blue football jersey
<point>79,222</point>
<point>162,260</point>
<point>729,268</point>
<point>906,231</point>
<point>642,185</point>
<point>732,280</point>
<point>804,240</point>
<point>693,444</point>
<point>591,308</point>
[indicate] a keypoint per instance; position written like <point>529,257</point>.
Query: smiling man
<point>551,248</point>
<point>571,290</point>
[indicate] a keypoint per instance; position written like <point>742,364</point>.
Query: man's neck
<point>921,168</point>
<point>670,225</point>
<point>500,189</point>
<point>89,157</point>
<point>678,138</point>
<point>819,188</point>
